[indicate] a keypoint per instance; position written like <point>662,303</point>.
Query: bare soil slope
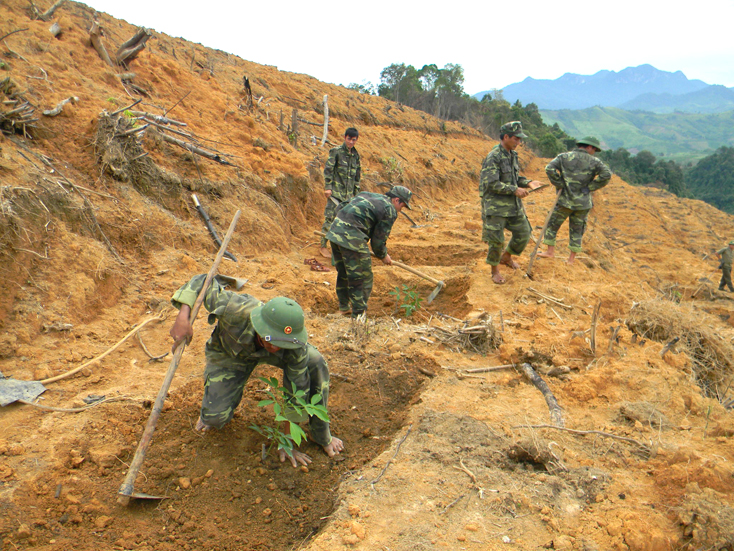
<point>98,228</point>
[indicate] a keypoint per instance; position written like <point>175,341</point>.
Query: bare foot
<point>201,426</point>
<point>571,258</point>
<point>506,259</point>
<point>335,447</point>
<point>497,278</point>
<point>547,254</point>
<point>325,252</point>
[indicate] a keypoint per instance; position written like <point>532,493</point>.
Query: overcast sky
<point>496,43</point>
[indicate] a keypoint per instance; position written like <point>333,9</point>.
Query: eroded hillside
<point>98,228</point>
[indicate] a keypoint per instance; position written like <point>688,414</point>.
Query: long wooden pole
<point>542,233</point>
<point>126,490</point>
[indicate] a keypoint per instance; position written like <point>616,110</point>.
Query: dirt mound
<point>98,228</point>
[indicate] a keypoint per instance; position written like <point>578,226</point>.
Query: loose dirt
<point>95,239</point>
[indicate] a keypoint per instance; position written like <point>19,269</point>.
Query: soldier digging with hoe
<point>368,217</point>
<point>249,333</point>
<point>577,173</point>
<point>342,173</point>
<point>501,188</point>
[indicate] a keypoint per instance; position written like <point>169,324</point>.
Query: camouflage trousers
<point>225,378</point>
<point>576,226</point>
<point>353,279</point>
<point>329,215</point>
<point>726,278</point>
<point>493,233</point>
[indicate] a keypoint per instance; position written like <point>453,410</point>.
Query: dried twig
<point>542,386</point>
<point>142,344</point>
<point>594,317</point>
<point>645,447</point>
<point>397,449</point>
<point>12,32</point>
<point>551,299</point>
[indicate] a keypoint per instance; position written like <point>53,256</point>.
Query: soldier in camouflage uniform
<point>367,217</point>
<point>726,254</point>
<point>341,180</point>
<point>501,188</point>
<point>576,173</point>
<point>249,333</point>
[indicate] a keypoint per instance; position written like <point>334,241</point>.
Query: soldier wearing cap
<point>501,188</point>
<point>368,217</point>
<point>725,255</point>
<point>575,174</point>
<point>248,333</point>
<point>342,173</point>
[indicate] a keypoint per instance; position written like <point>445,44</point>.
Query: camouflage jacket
<point>367,217</point>
<point>499,179</point>
<point>234,332</point>
<point>578,174</point>
<point>726,255</point>
<point>342,173</point>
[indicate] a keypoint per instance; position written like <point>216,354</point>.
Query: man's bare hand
<point>335,447</point>
<point>387,260</point>
<point>297,457</point>
<point>521,192</point>
<point>328,193</point>
<point>181,328</point>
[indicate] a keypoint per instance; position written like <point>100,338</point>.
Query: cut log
<point>56,110</point>
<point>94,37</point>
<point>555,410</point>
<point>55,30</point>
<point>130,49</point>
<point>326,121</point>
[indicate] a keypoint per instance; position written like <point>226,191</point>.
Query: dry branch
<point>644,447</point>
<point>56,110</point>
<point>594,317</point>
<point>157,118</point>
<point>555,410</point>
<point>397,449</point>
<point>557,301</point>
<point>49,13</point>
<point>193,149</point>
<point>326,121</point>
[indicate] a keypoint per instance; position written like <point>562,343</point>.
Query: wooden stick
<point>12,32</point>
<point>551,299</point>
<point>326,121</point>
<point>487,369</point>
<point>95,32</point>
<point>193,149</point>
<point>542,233</point>
<point>126,490</point>
<point>594,316</point>
<point>542,386</point>
<point>376,480</point>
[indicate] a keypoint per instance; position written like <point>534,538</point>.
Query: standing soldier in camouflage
<point>367,217</point>
<point>501,188</point>
<point>576,174</point>
<point>726,254</point>
<point>341,180</point>
<point>249,333</point>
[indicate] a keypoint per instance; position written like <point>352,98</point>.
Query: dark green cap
<point>513,128</point>
<point>402,193</point>
<point>590,140</point>
<point>731,242</point>
<point>280,322</point>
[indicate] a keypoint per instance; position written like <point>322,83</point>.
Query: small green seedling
<point>296,403</point>
<point>409,299</point>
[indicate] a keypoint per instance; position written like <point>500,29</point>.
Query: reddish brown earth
<point>431,462</point>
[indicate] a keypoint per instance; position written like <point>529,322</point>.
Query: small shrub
<point>409,299</point>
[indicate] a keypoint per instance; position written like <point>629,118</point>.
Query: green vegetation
<point>440,92</point>
<point>411,302</point>
<point>712,179</point>
<point>295,401</point>
<point>645,168</point>
<point>682,137</point>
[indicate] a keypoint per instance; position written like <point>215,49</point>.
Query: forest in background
<point>440,92</point>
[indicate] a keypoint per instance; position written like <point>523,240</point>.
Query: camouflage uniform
<point>232,354</point>
<point>577,173</point>
<point>341,175</point>
<point>501,208</point>
<point>367,217</point>
<point>726,255</point>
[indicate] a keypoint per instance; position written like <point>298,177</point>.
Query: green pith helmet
<point>589,140</point>
<point>731,242</point>
<point>513,128</point>
<point>280,322</point>
<point>402,193</point>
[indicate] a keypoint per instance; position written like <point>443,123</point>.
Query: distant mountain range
<point>643,88</point>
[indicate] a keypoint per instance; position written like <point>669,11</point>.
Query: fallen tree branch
<point>49,13</point>
<point>487,369</point>
<point>75,410</point>
<point>151,356</point>
<point>157,118</point>
<point>60,106</point>
<point>193,149</point>
<point>592,338</point>
<point>555,410</point>
<point>11,33</point>
<point>130,49</point>
<point>645,447</point>
<point>549,298</point>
